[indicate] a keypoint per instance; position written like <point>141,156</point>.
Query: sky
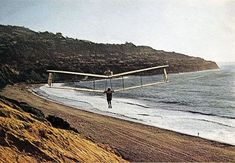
<point>201,28</point>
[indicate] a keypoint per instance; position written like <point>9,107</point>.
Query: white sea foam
<point>209,127</point>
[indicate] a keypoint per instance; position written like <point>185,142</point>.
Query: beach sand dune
<point>133,141</point>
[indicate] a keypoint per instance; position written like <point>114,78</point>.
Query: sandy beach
<point>132,141</point>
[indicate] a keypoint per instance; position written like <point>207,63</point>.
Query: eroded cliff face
<point>27,55</point>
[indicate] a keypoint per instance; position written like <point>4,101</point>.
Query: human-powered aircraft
<point>109,77</point>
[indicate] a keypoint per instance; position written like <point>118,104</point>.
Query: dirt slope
<point>27,138</point>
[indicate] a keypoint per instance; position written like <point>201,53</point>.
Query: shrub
<point>58,122</point>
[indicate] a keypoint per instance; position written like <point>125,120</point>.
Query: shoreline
<point>149,142</point>
<point>123,117</point>
<point>191,72</point>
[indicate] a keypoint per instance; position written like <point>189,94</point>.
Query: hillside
<point>27,137</point>
<point>25,55</point>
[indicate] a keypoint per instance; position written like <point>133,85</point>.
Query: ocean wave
<point>53,97</point>
<point>176,102</point>
<point>183,103</point>
<point>201,113</point>
<point>134,104</point>
<point>209,114</point>
<point>210,121</point>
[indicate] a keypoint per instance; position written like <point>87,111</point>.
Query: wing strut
<point>123,85</point>
<point>165,75</point>
<point>50,79</point>
<point>110,80</point>
<point>94,84</point>
<point>141,80</point>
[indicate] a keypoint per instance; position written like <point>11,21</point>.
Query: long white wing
<point>140,70</point>
<point>110,76</point>
<point>78,73</point>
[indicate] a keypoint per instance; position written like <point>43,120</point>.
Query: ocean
<point>197,103</point>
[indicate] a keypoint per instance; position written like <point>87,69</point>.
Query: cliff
<point>30,137</point>
<point>25,56</point>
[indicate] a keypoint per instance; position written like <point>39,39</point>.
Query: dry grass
<point>25,139</point>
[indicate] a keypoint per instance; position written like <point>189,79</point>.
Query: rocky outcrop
<point>25,55</point>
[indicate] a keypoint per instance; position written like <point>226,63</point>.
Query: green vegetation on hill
<point>25,56</point>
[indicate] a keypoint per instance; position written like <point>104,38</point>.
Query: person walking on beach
<point>109,93</point>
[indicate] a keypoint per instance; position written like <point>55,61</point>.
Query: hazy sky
<point>203,28</point>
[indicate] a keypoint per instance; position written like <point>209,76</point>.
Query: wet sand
<point>133,141</point>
